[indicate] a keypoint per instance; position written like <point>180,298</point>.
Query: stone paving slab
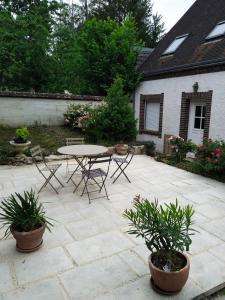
<point>89,255</point>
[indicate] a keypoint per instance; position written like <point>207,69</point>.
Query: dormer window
<point>217,32</point>
<point>175,44</point>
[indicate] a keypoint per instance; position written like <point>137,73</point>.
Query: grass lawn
<point>49,138</point>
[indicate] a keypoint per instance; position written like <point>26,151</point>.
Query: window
<point>218,31</point>
<point>175,44</point>
<point>152,115</point>
<point>199,117</point>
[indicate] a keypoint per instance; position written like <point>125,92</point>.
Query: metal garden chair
<point>122,164</point>
<point>69,142</point>
<point>38,158</point>
<point>98,176</point>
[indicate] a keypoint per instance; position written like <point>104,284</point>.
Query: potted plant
<point>24,217</point>
<point>167,232</point>
<point>21,142</point>
<point>121,148</point>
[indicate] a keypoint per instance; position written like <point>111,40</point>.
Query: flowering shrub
<point>77,115</point>
<point>180,147</point>
<point>210,156</point>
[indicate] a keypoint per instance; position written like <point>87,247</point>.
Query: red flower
<point>208,158</point>
<point>218,152</point>
<point>215,161</point>
<point>212,153</point>
<point>201,147</point>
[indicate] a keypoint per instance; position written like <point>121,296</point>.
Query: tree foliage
<point>104,50</point>
<point>114,121</point>
<point>149,25</point>
<point>51,46</point>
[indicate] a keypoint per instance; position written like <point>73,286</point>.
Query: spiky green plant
<point>165,229</point>
<point>23,212</point>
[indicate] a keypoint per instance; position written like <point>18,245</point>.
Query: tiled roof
<point>197,22</point>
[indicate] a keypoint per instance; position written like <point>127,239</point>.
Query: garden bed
<point>188,166</point>
<point>49,138</point>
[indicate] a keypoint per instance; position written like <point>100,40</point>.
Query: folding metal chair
<point>69,142</point>
<point>93,174</point>
<point>122,164</point>
<point>38,157</point>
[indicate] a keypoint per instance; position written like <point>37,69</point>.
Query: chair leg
<point>67,166</point>
<point>103,184</point>
<point>116,169</point>
<point>86,188</point>
<point>58,180</point>
<point>122,172</point>
<point>47,181</point>
<point>79,165</point>
<point>76,186</point>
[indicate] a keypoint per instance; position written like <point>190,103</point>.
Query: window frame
<point>153,98</point>
<point>218,36</point>
<point>201,117</point>
<point>166,52</point>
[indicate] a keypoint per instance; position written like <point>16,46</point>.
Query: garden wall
<point>25,109</point>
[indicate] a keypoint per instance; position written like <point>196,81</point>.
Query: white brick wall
<point>172,89</point>
<point>28,111</point>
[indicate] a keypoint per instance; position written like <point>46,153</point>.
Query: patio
<point>89,255</point>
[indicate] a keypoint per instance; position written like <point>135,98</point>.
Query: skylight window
<point>218,31</point>
<point>175,44</point>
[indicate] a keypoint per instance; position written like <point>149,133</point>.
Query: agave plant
<point>23,212</point>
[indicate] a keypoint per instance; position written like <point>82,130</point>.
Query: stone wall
<point>25,109</point>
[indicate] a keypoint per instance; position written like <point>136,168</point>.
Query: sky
<point>171,10</point>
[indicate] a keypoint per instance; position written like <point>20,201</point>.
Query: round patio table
<point>80,152</point>
<point>83,150</point>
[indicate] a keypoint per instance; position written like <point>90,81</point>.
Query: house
<point>183,87</point>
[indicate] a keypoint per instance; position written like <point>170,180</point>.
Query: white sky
<point>171,10</point>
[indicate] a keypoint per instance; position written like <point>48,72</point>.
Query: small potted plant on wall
<point>21,142</point>
<point>167,232</point>
<point>24,216</point>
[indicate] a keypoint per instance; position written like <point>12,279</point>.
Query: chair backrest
<point>37,155</point>
<point>99,159</point>
<point>130,153</point>
<point>74,141</point>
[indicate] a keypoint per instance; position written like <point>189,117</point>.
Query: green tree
<point>25,28</point>
<point>114,121</point>
<point>150,27</point>
<point>106,49</point>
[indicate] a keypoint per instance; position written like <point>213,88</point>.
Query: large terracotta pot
<point>121,149</point>
<point>169,282</point>
<point>28,241</point>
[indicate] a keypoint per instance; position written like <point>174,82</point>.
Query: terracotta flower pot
<point>169,282</point>
<point>121,149</point>
<point>28,241</point>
